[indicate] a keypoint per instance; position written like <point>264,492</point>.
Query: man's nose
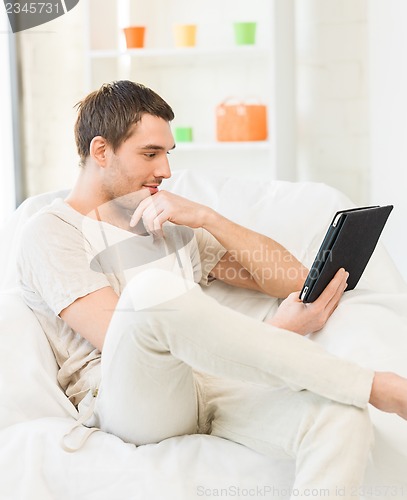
<point>164,169</point>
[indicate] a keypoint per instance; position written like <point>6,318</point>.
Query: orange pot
<point>135,36</point>
<point>185,35</point>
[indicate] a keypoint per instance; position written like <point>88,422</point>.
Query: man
<point>114,268</point>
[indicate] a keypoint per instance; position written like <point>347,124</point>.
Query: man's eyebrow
<point>155,147</point>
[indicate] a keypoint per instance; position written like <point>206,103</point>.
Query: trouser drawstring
<point>84,433</point>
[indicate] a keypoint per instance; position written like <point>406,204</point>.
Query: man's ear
<point>98,150</point>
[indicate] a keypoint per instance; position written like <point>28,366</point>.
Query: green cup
<point>183,134</point>
<point>245,33</point>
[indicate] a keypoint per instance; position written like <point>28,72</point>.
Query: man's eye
<point>150,155</point>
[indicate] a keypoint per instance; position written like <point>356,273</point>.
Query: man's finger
<point>150,215</point>
<point>158,223</point>
<point>333,303</point>
<point>331,289</point>
<point>138,213</point>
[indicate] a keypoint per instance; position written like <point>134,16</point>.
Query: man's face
<point>138,166</point>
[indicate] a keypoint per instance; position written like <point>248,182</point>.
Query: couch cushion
<point>28,384</point>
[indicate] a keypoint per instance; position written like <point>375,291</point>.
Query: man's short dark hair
<point>112,110</point>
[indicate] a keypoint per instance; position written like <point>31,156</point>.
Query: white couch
<point>370,326</point>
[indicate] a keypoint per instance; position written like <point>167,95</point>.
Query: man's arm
<point>252,260</point>
<point>90,315</point>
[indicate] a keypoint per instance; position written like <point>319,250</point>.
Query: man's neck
<point>87,198</point>
<point>86,195</point>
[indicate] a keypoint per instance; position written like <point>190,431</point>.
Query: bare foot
<point>389,393</point>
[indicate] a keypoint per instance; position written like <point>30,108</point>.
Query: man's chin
<point>131,201</point>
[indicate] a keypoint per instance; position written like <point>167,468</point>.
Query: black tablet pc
<point>349,243</point>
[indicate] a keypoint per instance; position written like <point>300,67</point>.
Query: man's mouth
<point>153,188</point>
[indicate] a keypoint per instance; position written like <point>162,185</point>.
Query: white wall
<point>7,190</point>
<point>53,81</point>
<point>332,94</point>
<point>388,109</point>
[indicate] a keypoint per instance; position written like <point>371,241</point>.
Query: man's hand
<point>164,206</point>
<point>302,318</point>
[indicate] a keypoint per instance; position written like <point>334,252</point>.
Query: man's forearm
<point>276,271</point>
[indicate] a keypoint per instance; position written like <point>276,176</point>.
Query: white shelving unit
<point>195,80</point>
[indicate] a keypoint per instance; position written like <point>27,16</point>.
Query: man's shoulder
<point>56,212</point>
<point>49,220</point>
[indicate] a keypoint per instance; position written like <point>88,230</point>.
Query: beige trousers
<point>269,389</point>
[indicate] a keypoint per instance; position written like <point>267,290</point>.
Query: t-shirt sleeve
<point>54,262</point>
<point>210,253</point>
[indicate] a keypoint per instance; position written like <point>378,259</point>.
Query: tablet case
<point>349,243</point>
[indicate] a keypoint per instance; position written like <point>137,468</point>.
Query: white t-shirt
<point>64,255</point>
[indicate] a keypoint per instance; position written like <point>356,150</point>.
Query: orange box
<point>241,122</point>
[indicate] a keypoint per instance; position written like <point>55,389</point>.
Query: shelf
<point>223,146</point>
<point>182,52</point>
